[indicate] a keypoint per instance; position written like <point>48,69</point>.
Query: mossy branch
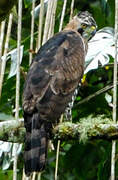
<point>87,129</point>
<point>12,131</point>
<point>66,131</point>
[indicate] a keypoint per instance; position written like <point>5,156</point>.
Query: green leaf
<point>5,117</point>
<point>7,174</point>
<point>6,163</point>
<point>100,48</point>
<point>13,55</point>
<point>27,3</point>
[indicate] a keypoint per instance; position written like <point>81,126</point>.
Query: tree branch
<point>66,131</point>
<point>91,128</point>
<point>105,89</point>
<point>12,131</point>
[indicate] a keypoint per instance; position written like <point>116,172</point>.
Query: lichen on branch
<point>88,128</point>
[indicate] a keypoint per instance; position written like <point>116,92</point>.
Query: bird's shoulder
<point>63,40</point>
<point>48,68</point>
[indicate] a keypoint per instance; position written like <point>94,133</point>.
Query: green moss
<point>90,126</point>
<point>87,127</point>
<point>65,130</point>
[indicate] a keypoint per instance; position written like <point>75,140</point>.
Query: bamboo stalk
<point>47,21</point>
<point>18,58</point>
<point>3,64</point>
<point>40,26</point>
<point>17,80</point>
<point>113,153</point>
<point>27,178</point>
<point>62,15</point>
<point>32,32</point>
<point>72,9</point>
<point>39,176</point>
<point>2,30</point>
<point>54,15</point>
<point>115,63</point>
<point>57,154</point>
<point>23,175</point>
<point>34,176</point>
<point>52,22</point>
<point>15,167</point>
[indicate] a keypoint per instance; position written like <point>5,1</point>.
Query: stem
<point>2,32</point>
<point>54,14</point>
<point>18,80</point>
<point>34,176</point>
<point>32,32</point>
<point>57,159</point>
<point>72,7</point>
<point>47,21</point>
<point>114,92</point>
<point>62,15</point>
<point>95,94</point>
<point>3,64</point>
<point>40,26</point>
<point>39,175</point>
<point>18,58</point>
<point>57,154</point>
<point>113,154</point>
<point>15,167</point>
<point>52,22</point>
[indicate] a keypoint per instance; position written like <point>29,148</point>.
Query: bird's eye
<point>84,26</point>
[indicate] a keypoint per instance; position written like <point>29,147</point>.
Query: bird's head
<point>85,24</point>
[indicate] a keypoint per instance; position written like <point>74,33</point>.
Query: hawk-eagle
<point>53,76</point>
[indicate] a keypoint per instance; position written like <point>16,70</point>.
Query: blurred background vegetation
<point>77,161</point>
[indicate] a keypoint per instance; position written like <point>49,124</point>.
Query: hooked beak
<point>93,29</point>
<point>93,32</point>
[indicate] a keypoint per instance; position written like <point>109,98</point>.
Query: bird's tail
<point>35,145</point>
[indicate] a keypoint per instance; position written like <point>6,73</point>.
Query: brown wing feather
<point>62,71</point>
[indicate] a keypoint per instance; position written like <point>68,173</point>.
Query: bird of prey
<point>54,74</point>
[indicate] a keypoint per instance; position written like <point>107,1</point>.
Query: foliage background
<point>77,161</point>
